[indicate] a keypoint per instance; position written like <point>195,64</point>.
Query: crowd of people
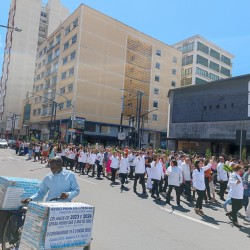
<point>158,172</point>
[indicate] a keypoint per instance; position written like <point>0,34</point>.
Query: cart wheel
<point>11,234</point>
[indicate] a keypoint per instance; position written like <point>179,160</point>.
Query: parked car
<point>12,144</point>
<point>3,143</point>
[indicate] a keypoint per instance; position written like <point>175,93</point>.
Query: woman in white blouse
<point>199,183</point>
<point>236,190</point>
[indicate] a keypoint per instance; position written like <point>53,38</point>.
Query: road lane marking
<point>190,218</point>
<point>13,158</point>
<point>87,181</point>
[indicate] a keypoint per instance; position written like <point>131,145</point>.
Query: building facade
<point>203,61</point>
<point>207,116</point>
<point>36,22</point>
<point>95,67</point>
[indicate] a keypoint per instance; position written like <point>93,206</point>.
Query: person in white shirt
<point>222,177</point>
<point>140,171</point>
<point>156,175</point>
<point>182,159</point>
<point>123,170</point>
<point>91,158</point>
<point>237,190</point>
<point>199,183</point>
<point>174,181</point>
<point>99,163</point>
<point>114,166</point>
<point>131,159</point>
<point>82,160</point>
<point>186,173</point>
<point>37,152</point>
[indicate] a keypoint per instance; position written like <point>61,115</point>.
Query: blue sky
<point>223,22</point>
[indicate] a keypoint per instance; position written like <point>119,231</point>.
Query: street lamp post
<point>12,28</point>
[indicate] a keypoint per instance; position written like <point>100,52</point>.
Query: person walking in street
<point>222,177</point>
<point>140,172</point>
<point>186,173</point>
<point>114,166</point>
<point>131,159</point>
<point>236,187</point>
<point>175,178</point>
<point>199,183</point>
<point>124,169</point>
<point>156,175</point>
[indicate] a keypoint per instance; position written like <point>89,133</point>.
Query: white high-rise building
<point>203,61</point>
<point>37,22</point>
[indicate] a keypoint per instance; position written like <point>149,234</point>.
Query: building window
<point>202,60</point>
<point>73,55</point>
<point>155,104</point>
<point>214,66</point>
<point>186,81</point>
<point>50,58</point>
<point>51,44</point>
<point>201,72</point>
<point>174,59</point>
<point>215,54</point>
<point>39,65</point>
<point>62,90</point>
<point>157,65</point>
<point>173,83</point>
<point>68,104</point>
<point>55,66</point>
<point>60,106</point>
<point>74,39</point>
<point>44,111</point>
<point>156,91</point>
<point>54,80</point>
<point>187,60</point>
<point>199,81</point>
<point>39,111</point>
<point>213,77</point>
<point>40,54</point>
<point>57,52</point>
<point>58,38</point>
<point>90,127</point>
<point>43,61</point>
<point>66,45</point>
<point>157,78</point>
<point>71,72</point>
<point>65,60</point>
<point>64,74</point>
<point>226,60</point>
<point>105,129</point>
<point>225,71</point>
<point>34,112</point>
<point>186,48</point>
<point>75,23</point>
<point>47,84</point>
<point>202,47</point>
<point>67,30</point>
<point>173,71</point>
<point>186,72</point>
<point>158,52</point>
<point>155,117</point>
<point>205,108</point>
<point>41,87</point>
<point>70,87</point>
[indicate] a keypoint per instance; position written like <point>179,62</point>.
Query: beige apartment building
<point>36,22</point>
<point>94,67</point>
<point>203,61</point>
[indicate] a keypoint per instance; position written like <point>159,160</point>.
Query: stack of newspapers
<point>13,190</point>
<point>60,225</point>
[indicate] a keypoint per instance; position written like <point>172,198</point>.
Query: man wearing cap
<point>140,172</point>
<point>60,183</point>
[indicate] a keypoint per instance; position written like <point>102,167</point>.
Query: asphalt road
<point>125,220</point>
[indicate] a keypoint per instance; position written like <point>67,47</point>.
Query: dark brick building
<point>208,115</point>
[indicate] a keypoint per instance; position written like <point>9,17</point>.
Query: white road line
<point>190,218</point>
<point>88,181</point>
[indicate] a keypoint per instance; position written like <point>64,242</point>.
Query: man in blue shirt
<point>59,183</point>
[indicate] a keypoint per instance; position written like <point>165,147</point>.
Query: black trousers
<point>155,187</point>
<point>113,174</point>
<point>64,160</point>
<point>131,173</point>
<point>236,207</point>
<point>91,166</point>
<point>82,166</point>
<point>186,187</point>
<point>99,170</point>
<point>207,194</point>
<point>163,184</point>
<point>177,191</point>
<point>142,182</point>
<point>201,195</point>
<point>223,188</point>
<point>123,177</point>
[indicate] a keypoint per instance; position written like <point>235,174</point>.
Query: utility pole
<point>140,94</point>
